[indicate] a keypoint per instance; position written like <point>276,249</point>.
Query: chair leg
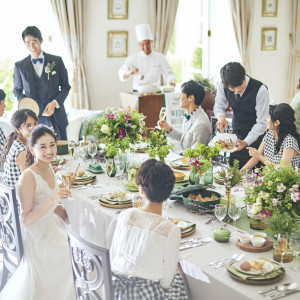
<point>4,277</point>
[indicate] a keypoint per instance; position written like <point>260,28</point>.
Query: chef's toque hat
<point>143,32</point>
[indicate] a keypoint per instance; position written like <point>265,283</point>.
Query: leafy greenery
<point>231,175</point>
<point>206,152</point>
<point>281,222</point>
<point>275,188</point>
<point>207,83</point>
<point>6,80</point>
<point>197,58</point>
<point>158,146</point>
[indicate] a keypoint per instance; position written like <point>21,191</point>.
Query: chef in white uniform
<point>147,66</point>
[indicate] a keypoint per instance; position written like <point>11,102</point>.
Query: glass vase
<point>209,176</point>
<point>257,224</point>
<point>196,178</point>
<point>228,198</point>
<point>287,257</point>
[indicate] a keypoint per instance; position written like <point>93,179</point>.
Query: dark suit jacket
<point>57,86</point>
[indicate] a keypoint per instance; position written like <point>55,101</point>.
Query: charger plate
<point>84,182</point>
<point>250,248</point>
<point>190,232</point>
<point>29,103</point>
<point>178,165</point>
<point>115,205</point>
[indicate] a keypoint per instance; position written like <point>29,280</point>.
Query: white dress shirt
<point>38,67</point>
<point>152,66</point>
<point>145,245</point>
<point>262,110</point>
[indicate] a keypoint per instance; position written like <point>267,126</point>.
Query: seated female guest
<point>45,270</point>
<point>281,142</point>
<point>144,251</point>
<point>23,120</point>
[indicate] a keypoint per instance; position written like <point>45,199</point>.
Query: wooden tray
<point>116,205</point>
<point>249,248</point>
<point>84,182</point>
<point>189,232</point>
<point>257,282</point>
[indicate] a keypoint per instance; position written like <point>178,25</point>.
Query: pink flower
<point>109,116</point>
<point>121,133</point>
<point>126,117</point>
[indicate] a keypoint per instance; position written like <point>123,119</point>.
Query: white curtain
<point>242,15</point>
<point>71,16</point>
<point>162,18</point>
<point>294,63</point>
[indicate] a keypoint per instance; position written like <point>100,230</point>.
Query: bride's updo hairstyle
<point>156,179</point>
<point>36,133</point>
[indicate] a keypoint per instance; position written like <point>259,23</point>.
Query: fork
<point>229,261</point>
<point>190,240</point>
<point>234,256</point>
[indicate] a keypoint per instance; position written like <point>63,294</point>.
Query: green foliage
<point>158,146</point>
<point>6,81</point>
<point>207,83</point>
<point>197,58</point>
<point>206,152</point>
<point>281,222</point>
<point>232,175</point>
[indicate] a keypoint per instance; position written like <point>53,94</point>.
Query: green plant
<point>6,80</point>
<point>87,127</point>
<point>206,152</point>
<point>207,83</point>
<point>281,222</point>
<point>231,175</point>
<point>158,146</point>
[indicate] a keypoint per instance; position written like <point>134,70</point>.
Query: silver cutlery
<point>190,240</point>
<point>281,295</point>
<point>234,256</point>
<point>184,247</point>
<point>276,287</point>
<point>239,258</point>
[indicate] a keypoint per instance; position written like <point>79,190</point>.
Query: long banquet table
<point>96,224</point>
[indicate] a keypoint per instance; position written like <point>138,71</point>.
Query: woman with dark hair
<point>281,142</point>
<point>23,120</point>
<point>45,270</point>
<point>144,251</point>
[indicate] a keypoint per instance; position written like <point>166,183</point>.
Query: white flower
<point>295,187</point>
<point>105,129</point>
<point>281,188</point>
<point>256,170</point>
<point>294,197</point>
<point>275,202</point>
<point>256,208</point>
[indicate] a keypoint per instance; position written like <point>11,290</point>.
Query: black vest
<point>244,113</point>
<point>40,86</point>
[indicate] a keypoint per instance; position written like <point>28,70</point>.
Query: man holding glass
<point>196,127</point>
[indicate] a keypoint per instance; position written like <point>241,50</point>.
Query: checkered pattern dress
<point>135,288</point>
<point>2,141</point>
<point>11,169</point>
<point>288,142</point>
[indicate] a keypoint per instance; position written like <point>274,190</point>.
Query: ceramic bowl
<point>260,234</point>
<point>245,239</point>
<point>258,242</point>
<point>221,235</point>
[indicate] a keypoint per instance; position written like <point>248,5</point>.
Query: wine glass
<point>234,213</point>
<point>294,244</point>
<point>120,167</point>
<point>71,147</point>
<point>282,240</point>
<point>109,169</point>
<point>92,149</point>
<point>220,212</point>
<point>162,115</point>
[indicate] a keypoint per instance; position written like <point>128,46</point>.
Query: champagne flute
<point>92,149</point>
<point>120,167</point>
<point>234,213</point>
<point>282,240</point>
<point>220,212</point>
<point>162,115</point>
<point>71,147</point>
<point>109,168</point>
<point>294,244</point>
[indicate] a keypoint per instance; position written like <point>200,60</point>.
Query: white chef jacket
<point>152,66</point>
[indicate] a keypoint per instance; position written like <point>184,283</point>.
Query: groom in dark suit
<point>44,78</point>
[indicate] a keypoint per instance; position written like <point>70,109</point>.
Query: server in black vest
<point>44,78</point>
<point>249,100</point>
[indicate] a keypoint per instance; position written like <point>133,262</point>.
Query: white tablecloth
<point>96,224</point>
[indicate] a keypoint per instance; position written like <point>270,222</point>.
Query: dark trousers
<point>243,155</point>
<point>50,121</point>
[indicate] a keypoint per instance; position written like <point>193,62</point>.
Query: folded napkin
<point>277,271</point>
<point>188,227</point>
<point>114,202</point>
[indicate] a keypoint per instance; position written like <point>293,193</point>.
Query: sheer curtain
<point>71,15</point>
<point>242,14</point>
<point>162,18</point>
<point>294,63</point>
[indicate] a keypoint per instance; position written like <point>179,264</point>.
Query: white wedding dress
<point>45,271</point>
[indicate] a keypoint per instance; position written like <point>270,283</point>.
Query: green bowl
<point>221,235</point>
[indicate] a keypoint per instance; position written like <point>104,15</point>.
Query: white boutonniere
<point>50,69</point>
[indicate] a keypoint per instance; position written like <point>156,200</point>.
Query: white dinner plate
<point>266,268</point>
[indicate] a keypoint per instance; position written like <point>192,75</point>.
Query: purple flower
<point>121,133</point>
<point>126,117</point>
<point>109,116</point>
<point>143,133</point>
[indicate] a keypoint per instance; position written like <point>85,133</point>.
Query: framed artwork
<point>118,9</point>
<point>117,43</point>
<point>268,38</point>
<point>269,8</point>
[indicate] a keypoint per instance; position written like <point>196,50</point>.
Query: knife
<point>191,246</point>
<point>287,293</point>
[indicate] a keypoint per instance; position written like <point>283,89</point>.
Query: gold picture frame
<point>117,43</point>
<point>117,9</point>
<point>268,38</point>
<point>269,8</point>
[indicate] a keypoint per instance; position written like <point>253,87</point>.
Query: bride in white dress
<point>45,271</point>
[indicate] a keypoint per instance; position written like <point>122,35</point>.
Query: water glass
<point>282,240</point>
<point>120,167</point>
<point>92,149</point>
<point>234,213</point>
<point>294,244</point>
<point>220,212</point>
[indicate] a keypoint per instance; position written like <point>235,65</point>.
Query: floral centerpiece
<point>274,189</point>
<point>118,128</point>
<point>200,159</point>
<point>158,146</point>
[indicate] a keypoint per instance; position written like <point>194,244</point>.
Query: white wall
<point>271,67</point>
<point>102,71</point>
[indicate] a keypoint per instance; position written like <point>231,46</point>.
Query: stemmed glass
<point>282,240</point>
<point>220,212</point>
<point>234,213</point>
<point>109,169</point>
<point>162,115</point>
<point>92,149</point>
<point>294,244</point>
<point>71,147</point>
<point>120,167</point>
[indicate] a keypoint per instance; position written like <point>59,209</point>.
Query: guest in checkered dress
<point>144,251</point>
<point>2,106</point>
<point>23,120</point>
<point>281,144</point>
